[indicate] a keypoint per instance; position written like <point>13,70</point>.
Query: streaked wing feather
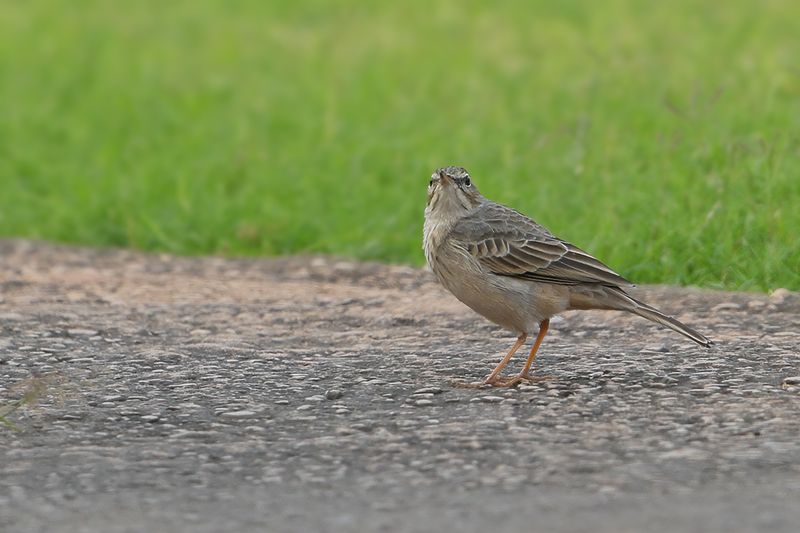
<point>508,243</point>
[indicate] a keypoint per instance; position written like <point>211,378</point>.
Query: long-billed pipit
<point>513,271</point>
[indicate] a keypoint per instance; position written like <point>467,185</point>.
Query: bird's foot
<point>515,380</point>
<point>471,384</point>
<point>501,382</point>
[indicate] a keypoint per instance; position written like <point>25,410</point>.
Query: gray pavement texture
<point>317,394</point>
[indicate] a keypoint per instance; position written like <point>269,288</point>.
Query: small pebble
<point>428,390</point>
<point>150,418</point>
<point>305,407</point>
<point>492,399</point>
<point>333,394</point>
<point>780,295</point>
<point>316,398</point>
<point>238,414</point>
<point>423,403</point>
<point>660,347</point>
<point>113,398</point>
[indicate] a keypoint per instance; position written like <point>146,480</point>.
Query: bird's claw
<point>500,382</point>
<point>515,380</point>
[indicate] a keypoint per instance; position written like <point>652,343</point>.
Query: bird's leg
<point>543,327</point>
<point>492,378</point>
<point>524,376</point>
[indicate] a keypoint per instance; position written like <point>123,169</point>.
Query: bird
<point>514,271</point>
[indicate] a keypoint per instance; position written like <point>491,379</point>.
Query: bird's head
<point>451,193</point>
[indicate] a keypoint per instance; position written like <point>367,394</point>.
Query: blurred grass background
<point>662,136</point>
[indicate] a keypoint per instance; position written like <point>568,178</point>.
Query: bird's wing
<point>508,243</point>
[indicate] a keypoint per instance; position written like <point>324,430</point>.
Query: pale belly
<point>517,305</point>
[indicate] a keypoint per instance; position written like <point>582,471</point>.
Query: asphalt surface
<point>314,394</point>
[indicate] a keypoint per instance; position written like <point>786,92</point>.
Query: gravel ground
<point>315,394</point>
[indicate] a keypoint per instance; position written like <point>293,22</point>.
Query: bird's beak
<point>444,179</point>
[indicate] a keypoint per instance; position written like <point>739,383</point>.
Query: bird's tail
<point>653,314</point>
<point>615,298</point>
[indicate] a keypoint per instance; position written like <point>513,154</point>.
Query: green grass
<point>662,136</point>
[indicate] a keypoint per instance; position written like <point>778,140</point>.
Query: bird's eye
<point>430,184</point>
<point>467,182</point>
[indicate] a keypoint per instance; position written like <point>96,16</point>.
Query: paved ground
<point>312,394</point>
